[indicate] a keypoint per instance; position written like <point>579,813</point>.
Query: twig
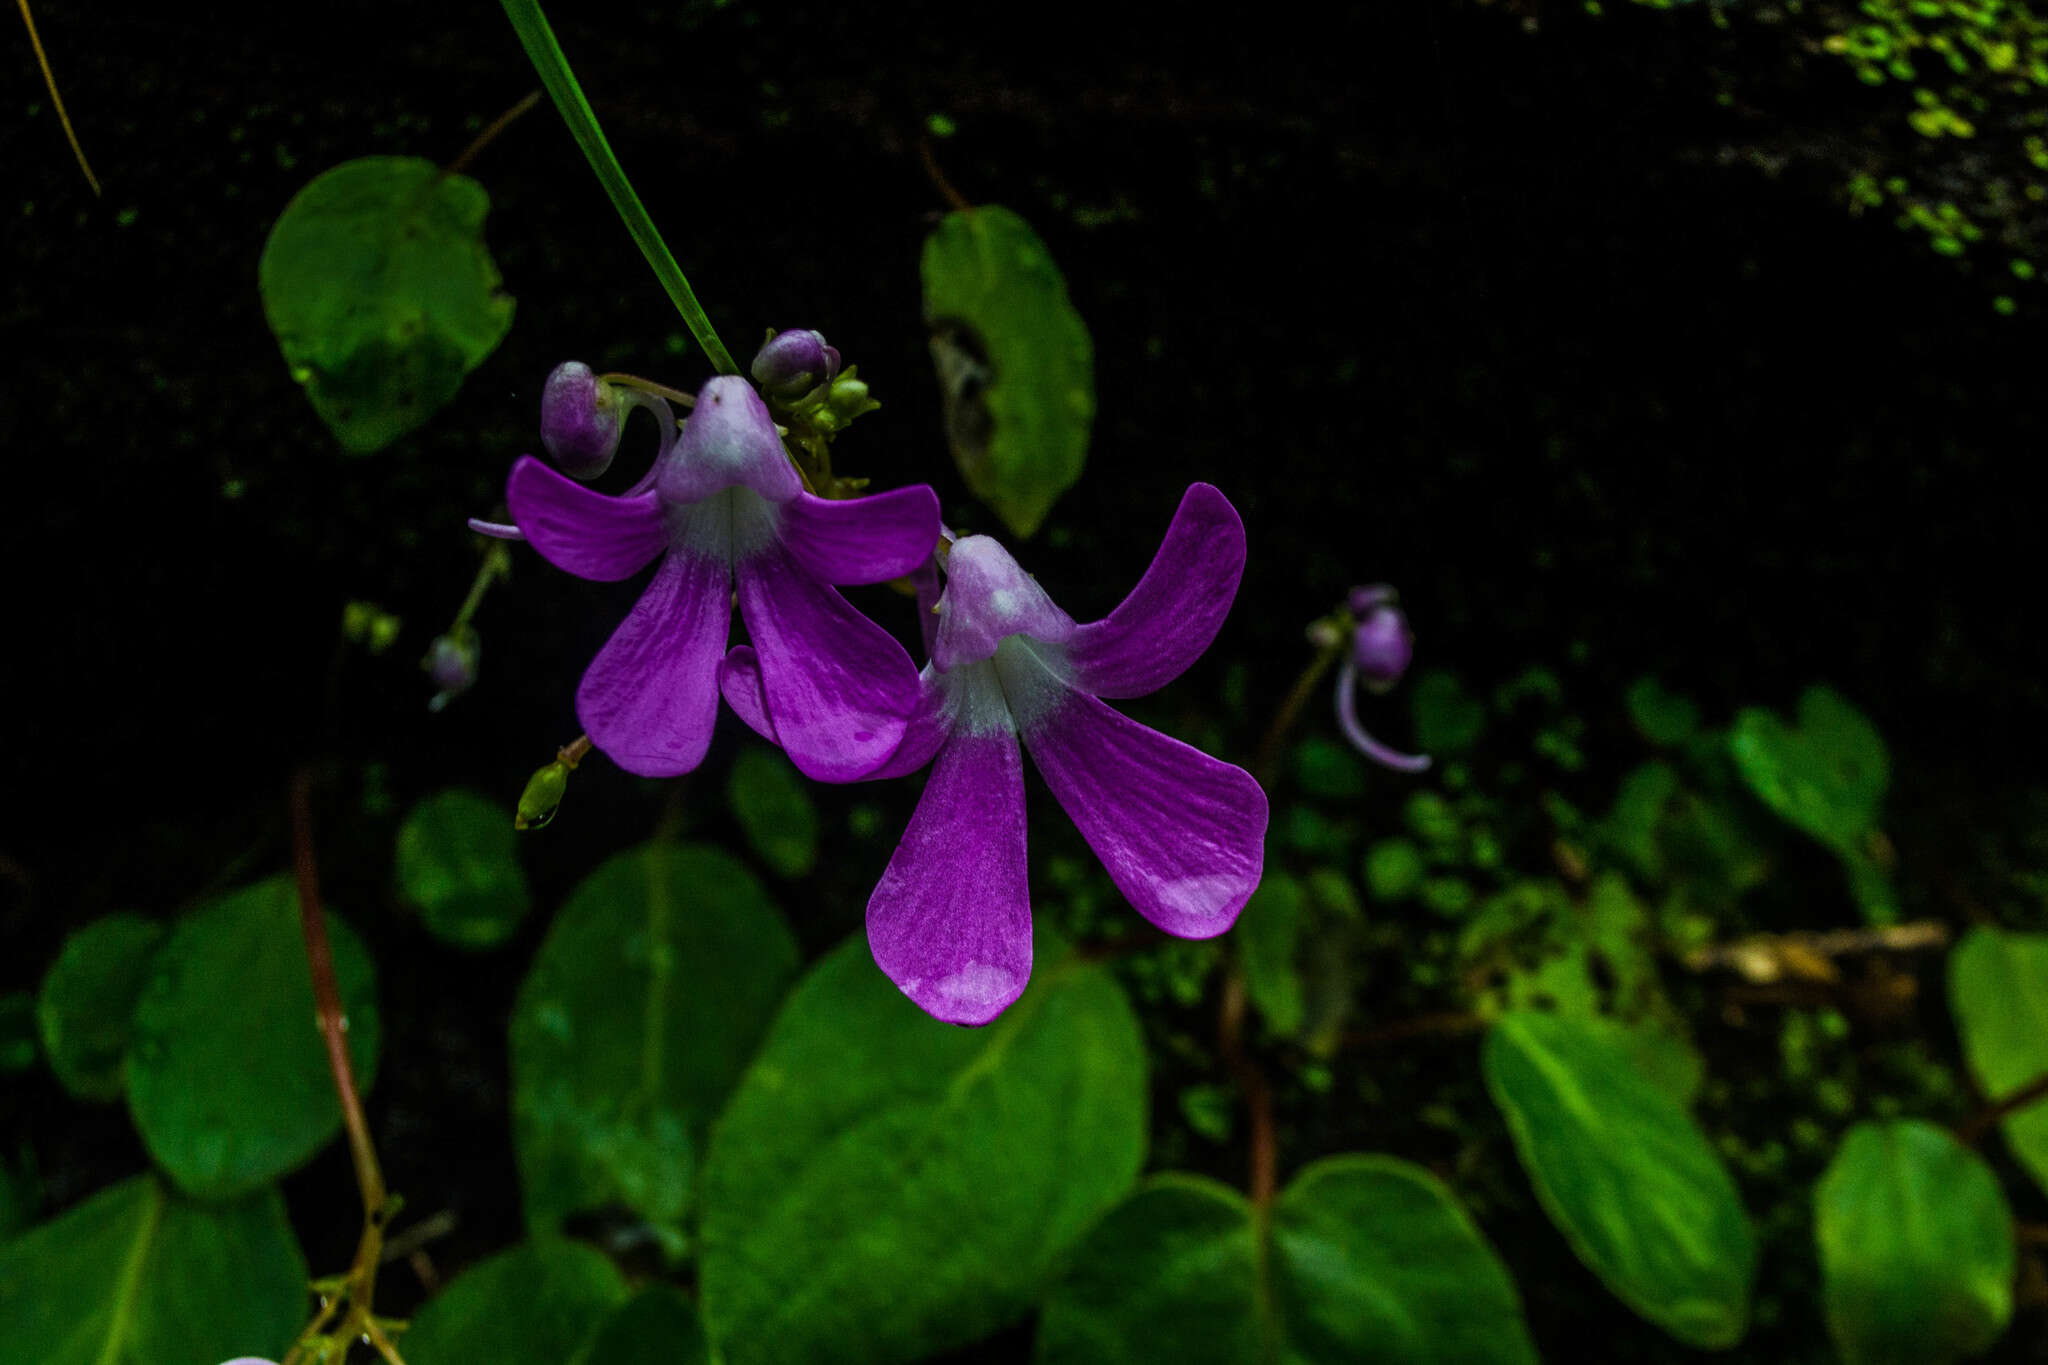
<point>1766,958</point>
<point>50,79</point>
<point>1971,1131</point>
<point>953,197</point>
<point>490,133</point>
<point>1258,1094</point>
<point>1268,755</point>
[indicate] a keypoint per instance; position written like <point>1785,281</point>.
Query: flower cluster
<point>726,507</point>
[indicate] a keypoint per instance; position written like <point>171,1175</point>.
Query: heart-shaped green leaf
<point>227,1079</point>
<point>1016,366</point>
<point>458,865</point>
<point>660,1326</point>
<point>884,1186</point>
<point>1827,775</point>
<point>655,983</point>
<point>1624,1173</point>
<point>87,1005</point>
<point>540,1303</point>
<point>139,1275</point>
<point>1916,1246</point>
<point>381,293</point>
<point>1998,992</point>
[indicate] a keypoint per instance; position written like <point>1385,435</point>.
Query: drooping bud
<point>793,363</point>
<point>1382,647</point>
<point>543,794</point>
<point>581,417</point>
<point>452,663</point>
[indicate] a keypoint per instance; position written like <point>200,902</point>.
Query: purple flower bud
<point>581,417</point>
<point>793,363</point>
<point>452,663</point>
<point>1382,647</point>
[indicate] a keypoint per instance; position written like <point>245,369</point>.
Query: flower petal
<point>1176,609</point>
<point>862,540</point>
<point>838,688</point>
<point>926,729</point>
<point>1182,834</point>
<point>650,697</point>
<point>950,921</point>
<point>587,533</point>
<point>739,682</point>
<point>728,441</point>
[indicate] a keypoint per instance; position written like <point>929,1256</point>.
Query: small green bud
<point>543,794</point>
<point>846,399</point>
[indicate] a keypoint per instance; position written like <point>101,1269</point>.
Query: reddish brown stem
<point>1972,1130</point>
<point>1258,1095</point>
<point>490,134</point>
<point>938,178</point>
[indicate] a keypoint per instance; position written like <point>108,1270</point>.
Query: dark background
<point>1506,317</point>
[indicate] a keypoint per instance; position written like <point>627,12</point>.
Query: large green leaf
<point>884,1186</point>
<point>540,1303</point>
<point>1625,1173</point>
<point>660,1326</point>
<point>774,811</point>
<point>381,293</point>
<point>458,864</point>
<point>1016,367</point>
<point>1916,1246</point>
<point>228,1078</point>
<point>87,1004</point>
<point>1827,775</point>
<point>655,983</point>
<point>138,1275</point>
<point>1368,1258</point>
<point>1998,992</point>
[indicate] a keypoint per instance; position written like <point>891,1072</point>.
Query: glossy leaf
<point>884,1186</point>
<point>1369,1258</point>
<point>1016,366</point>
<point>659,1326</point>
<point>1267,933</point>
<point>381,293</point>
<point>775,812</point>
<point>1625,1174</point>
<point>87,1005</point>
<point>1998,992</point>
<point>656,981</point>
<point>458,865</point>
<point>540,1303</point>
<point>1916,1246</point>
<point>139,1275</point>
<point>227,1079</point>
<point>1826,775</point>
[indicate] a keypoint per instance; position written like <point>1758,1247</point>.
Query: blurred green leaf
<point>87,1006</point>
<point>1625,1173</point>
<point>1016,367</point>
<point>1448,719</point>
<point>1667,719</point>
<point>1827,775</point>
<point>19,1195</point>
<point>660,1326</point>
<point>1369,1258</point>
<point>17,1031</point>
<point>458,865</point>
<point>1266,935</point>
<point>655,982</point>
<point>775,811</point>
<point>382,295</point>
<point>884,1186</point>
<point>1998,992</point>
<point>1916,1246</point>
<point>1393,869</point>
<point>227,1079</point>
<point>1325,768</point>
<point>540,1303</point>
<point>139,1275</point>
<point>1631,825</point>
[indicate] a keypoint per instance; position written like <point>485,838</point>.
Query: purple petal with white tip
<point>650,697</point>
<point>950,922</point>
<point>838,687</point>
<point>728,441</point>
<point>1182,834</point>
<point>862,540</point>
<point>589,534</point>
<point>1176,609</point>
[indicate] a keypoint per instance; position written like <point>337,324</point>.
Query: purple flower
<point>1181,833</point>
<point>727,505</point>
<point>1382,646</point>
<point>581,418</point>
<point>793,363</point>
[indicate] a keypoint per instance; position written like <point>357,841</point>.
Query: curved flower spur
<point>726,505</point>
<point>1181,834</point>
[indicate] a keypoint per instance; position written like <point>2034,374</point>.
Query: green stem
<point>546,55</point>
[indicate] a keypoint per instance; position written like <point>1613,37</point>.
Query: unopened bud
<point>452,663</point>
<point>581,417</point>
<point>793,363</point>
<point>847,399</point>
<point>1382,647</point>
<point>543,794</point>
